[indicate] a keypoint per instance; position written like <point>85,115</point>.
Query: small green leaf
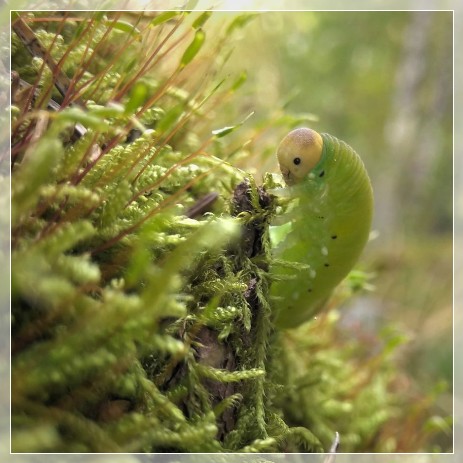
<point>123,26</point>
<point>87,119</point>
<point>242,78</point>
<point>201,19</point>
<point>240,21</point>
<point>219,133</point>
<point>138,95</point>
<point>164,17</point>
<point>111,110</point>
<point>99,15</point>
<point>392,338</point>
<point>193,48</point>
<point>279,233</point>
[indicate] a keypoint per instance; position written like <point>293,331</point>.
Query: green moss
<point>141,315</point>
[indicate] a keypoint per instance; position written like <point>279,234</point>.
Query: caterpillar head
<point>298,153</point>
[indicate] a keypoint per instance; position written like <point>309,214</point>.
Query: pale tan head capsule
<point>298,153</point>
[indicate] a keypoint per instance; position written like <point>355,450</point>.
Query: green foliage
<point>140,312</point>
<point>324,389</point>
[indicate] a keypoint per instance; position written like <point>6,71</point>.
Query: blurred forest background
<point>382,82</point>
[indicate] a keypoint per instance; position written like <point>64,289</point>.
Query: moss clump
<point>141,319</point>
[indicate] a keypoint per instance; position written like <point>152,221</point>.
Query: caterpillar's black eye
<point>322,173</point>
<point>297,161</point>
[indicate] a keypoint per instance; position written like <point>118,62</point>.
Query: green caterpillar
<point>326,226</point>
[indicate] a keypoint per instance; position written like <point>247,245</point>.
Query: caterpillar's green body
<point>330,221</point>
